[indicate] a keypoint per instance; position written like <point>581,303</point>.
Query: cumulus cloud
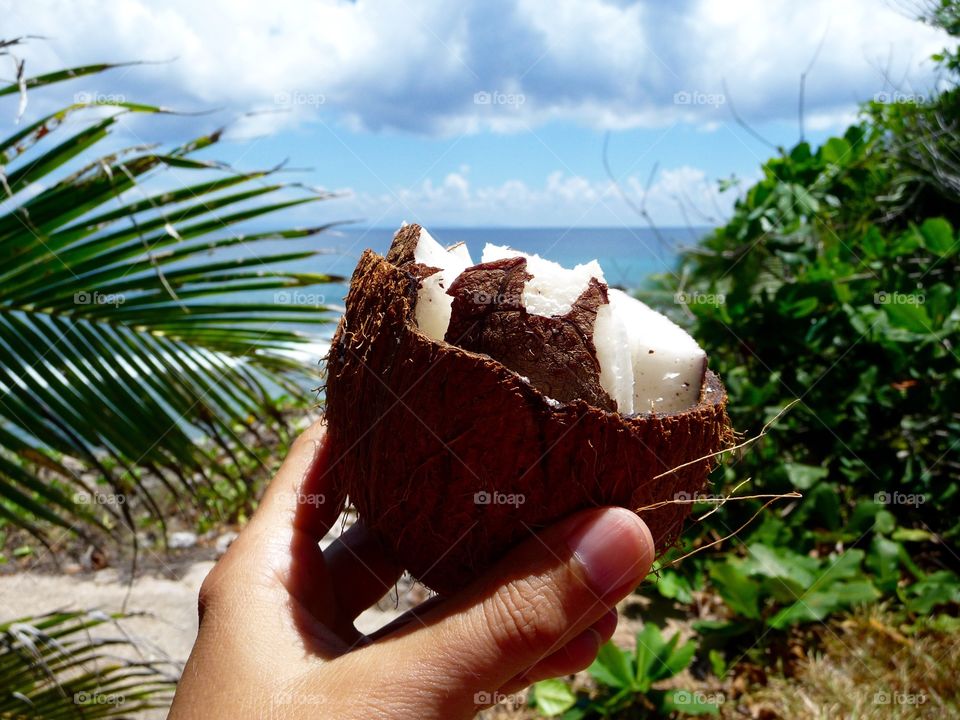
<point>677,196</point>
<point>442,68</point>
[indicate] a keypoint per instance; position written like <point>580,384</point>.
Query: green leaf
<point>738,591</point>
<point>54,666</point>
<point>874,242</point>
<point>936,590</point>
<point>806,202</point>
<point>801,308</point>
<point>62,75</point>
<point>718,663</point>
<point>841,567</point>
<point>553,697</point>
<point>649,646</point>
<point>804,477</point>
<point>681,657</point>
<point>909,316</point>
<point>193,354</point>
<point>686,702</point>
<point>884,561</point>
<point>835,150</point>
<point>781,563</point>
<point>884,522</point>
<point>818,605</point>
<point>674,586</point>
<point>723,628</point>
<point>612,667</point>
<point>912,535</point>
<point>938,236</point>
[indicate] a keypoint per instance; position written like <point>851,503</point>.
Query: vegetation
<point>838,278</point>
<point>834,283</point>
<point>129,324</point>
<point>627,681</point>
<point>63,665</point>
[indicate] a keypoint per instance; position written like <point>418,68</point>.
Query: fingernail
<point>614,548</point>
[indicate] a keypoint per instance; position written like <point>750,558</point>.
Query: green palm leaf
<point>130,326</point>
<point>62,666</point>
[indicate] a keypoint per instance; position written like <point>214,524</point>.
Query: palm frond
<point>62,665</point>
<point>134,321</point>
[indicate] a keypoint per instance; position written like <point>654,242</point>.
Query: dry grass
<point>866,668</point>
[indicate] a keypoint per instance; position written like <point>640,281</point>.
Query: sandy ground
<point>170,621</point>
<point>163,602</point>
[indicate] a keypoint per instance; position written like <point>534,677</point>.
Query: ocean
<point>628,256</point>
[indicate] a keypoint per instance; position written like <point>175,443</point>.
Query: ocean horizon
<point>628,256</point>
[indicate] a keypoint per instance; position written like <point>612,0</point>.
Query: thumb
<point>542,595</point>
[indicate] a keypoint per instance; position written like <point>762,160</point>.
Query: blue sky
<point>489,113</point>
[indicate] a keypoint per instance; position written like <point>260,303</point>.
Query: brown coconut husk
<point>422,432</point>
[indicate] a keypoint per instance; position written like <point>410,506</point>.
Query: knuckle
<point>211,591</point>
<point>313,434</point>
<point>521,615</point>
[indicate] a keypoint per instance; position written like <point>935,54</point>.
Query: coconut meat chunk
<point>433,304</point>
<point>615,357</point>
<point>647,363</point>
<point>553,289</point>
<point>668,365</point>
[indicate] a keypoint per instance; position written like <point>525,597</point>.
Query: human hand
<point>277,637</point>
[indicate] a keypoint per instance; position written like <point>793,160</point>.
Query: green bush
<point>835,283</point>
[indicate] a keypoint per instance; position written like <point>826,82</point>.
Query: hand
<point>276,614</point>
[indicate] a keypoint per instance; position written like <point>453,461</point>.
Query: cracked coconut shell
<point>451,458</point>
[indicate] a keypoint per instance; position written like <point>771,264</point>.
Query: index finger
<point>303,495</point>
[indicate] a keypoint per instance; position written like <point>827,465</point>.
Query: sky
<point>486,112</point>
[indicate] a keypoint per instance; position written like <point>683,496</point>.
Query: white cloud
<point>444,68</point>
<point>677,196</point>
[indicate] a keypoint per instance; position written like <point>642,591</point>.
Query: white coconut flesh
<point>433,304</point>
<point>647,363</point>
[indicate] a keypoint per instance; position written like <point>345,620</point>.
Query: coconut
<point>469,406</point>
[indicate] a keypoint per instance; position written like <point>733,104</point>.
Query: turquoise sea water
<point>627,255</point>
